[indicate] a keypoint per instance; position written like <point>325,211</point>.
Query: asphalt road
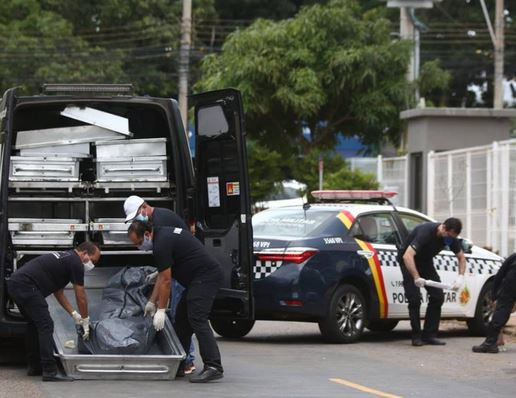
<point>280,359</point>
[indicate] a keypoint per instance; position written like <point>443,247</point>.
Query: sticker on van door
<point>213,192</point>
<point>233,188</point>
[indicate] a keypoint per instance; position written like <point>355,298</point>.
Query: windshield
<point>289,222</point>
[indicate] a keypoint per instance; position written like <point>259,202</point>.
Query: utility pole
<point>184,60</point>
<point>497,37</point>
<point>499,55</point>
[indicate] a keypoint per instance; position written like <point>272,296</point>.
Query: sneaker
<point>417,342</point>
<point>486,348</point>
<point>208,374</point>
<point>189,368</point>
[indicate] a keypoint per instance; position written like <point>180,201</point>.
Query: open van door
<point>7,104</point>
<point>223,211</point>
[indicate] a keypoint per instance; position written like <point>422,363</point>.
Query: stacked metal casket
<point>50,158</point>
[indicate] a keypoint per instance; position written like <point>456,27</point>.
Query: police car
<point>335,263</point>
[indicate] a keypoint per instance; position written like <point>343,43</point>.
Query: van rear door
<point>223,202</point>
<point>7,105</point>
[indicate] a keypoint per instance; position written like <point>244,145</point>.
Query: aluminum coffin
<point>160,363</point>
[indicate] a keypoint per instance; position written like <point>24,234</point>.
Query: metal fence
<point>391,173</point>
<point>477,185</point>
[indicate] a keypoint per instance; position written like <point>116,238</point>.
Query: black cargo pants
<point>192,316</point>
<point>413,295</point>
<point>39,342</point>
<point>504,304</point>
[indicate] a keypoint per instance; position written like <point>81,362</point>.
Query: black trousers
<point>504,303</point>
<point>39,342</point>
<point>192,316</point>
<point>413,295</point>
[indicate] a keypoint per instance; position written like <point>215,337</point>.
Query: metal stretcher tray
<point>161,363</point>
<point>45,232</point>
<point>114,231</point>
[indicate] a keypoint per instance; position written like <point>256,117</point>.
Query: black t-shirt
<point>162,217</point>
<point>178,249</point>
<point>52,272</point>
<point>424,240</point>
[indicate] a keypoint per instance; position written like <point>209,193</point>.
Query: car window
<point>290,222</point>
<point>411,221</point>
<point>376,228</point>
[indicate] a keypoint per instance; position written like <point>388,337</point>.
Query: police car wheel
<point>232,328</point>
<point>382,326</point>
<point>484,312</point>
<point>346,316</point>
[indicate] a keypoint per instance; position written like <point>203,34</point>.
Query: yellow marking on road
<point>364,388</point>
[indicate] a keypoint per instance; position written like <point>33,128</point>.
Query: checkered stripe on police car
<point>388,258</point>
<point>263,269</point>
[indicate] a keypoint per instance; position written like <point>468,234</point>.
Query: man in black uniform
<point>136,208</point>
<point>39,278</point>
<point>179,255</point>
<point>504,292</point>
<point>416,263</point>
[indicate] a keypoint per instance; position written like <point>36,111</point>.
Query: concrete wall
<point>442,129</point>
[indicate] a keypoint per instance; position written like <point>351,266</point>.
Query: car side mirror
<point>466,245</point>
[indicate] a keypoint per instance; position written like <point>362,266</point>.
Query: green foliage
<point>264,170</point>
<point>433,80</point>
<point>336,175</point>
<point>332,68</point>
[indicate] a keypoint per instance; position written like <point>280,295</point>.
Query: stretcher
<point>161,362</point>
<point>438,285</point>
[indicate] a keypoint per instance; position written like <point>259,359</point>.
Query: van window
<point>290,222</point>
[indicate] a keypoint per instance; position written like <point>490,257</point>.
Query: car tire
<point>484,311</point>
<point>346,316</point>
<point>382,326</point>
<point>232,328</point>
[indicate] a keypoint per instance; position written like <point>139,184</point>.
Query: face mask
<point>141,217</point>
<point>146,244</point>
<point>88,266</point>
<point>448,240</point>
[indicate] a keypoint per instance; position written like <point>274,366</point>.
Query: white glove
<point>150,309</point>
<point>419,282</point>
<point>159,319</point>
<point>459,282</point>
<point>77,317</point>
<point>85,323</point>
<point>151,278</point>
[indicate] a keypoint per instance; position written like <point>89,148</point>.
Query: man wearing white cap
<point>137,209</point>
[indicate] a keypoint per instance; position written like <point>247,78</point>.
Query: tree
<point>39,46</point>
<point>337,173</point>
<point>264,170</point>
<point>331,69</point>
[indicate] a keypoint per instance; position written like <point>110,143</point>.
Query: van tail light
<point>296,255</point>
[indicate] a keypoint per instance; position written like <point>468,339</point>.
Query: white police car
<point>335,263</point>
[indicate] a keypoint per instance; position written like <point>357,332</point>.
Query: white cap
<point>131,206</point>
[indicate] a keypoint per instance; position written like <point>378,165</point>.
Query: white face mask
<point>88,266</point>
<point>146,244</point>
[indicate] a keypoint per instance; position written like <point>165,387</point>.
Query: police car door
<point>222,196</point>
<point>380,233</point>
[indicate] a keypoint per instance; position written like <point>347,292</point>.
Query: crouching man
<point>179,255</point>
<point>32,283</point>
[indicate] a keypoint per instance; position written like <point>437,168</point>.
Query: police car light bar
<point>352,195</point>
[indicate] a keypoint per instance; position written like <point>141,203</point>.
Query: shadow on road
<point>286,337</point>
